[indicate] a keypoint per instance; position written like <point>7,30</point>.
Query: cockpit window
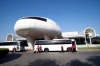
<point>38,18</point>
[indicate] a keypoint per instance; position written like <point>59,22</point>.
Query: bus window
<point>95,40</point>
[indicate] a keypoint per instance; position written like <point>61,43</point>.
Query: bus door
<point>18,47</point>
<point>73,43</point>
<point>22,46</point>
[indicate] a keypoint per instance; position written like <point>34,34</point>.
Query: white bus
<point>13,46</point>
<point>55,45</point>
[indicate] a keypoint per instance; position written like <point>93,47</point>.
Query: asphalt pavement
<point>80,58</point>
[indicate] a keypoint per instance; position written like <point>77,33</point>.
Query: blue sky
<point>70,15</point>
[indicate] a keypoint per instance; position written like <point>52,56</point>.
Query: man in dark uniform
<point>62,50</point>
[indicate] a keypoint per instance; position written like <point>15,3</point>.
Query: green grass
<point>87,48</point>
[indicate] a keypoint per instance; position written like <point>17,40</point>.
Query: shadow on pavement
<point>77,62</point>
<point>95,60</point>
<point>10,57</point>
<point>43,62</point>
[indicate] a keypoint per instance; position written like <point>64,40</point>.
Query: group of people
<point>38,49</point>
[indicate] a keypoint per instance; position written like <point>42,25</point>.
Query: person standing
<point>40,48</point>
<point>73,48</point>
<point>62,50</point>
<point>14,50</point>
<point>37,49</point>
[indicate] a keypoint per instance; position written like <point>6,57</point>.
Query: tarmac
<point>80,58</point>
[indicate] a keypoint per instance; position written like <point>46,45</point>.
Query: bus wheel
<point>69,49</point>
<point>46,50</point>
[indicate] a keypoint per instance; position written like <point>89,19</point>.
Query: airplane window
<point>38,18</point>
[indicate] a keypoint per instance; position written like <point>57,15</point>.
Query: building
<point>33,28</point>
<point>41,28</point>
